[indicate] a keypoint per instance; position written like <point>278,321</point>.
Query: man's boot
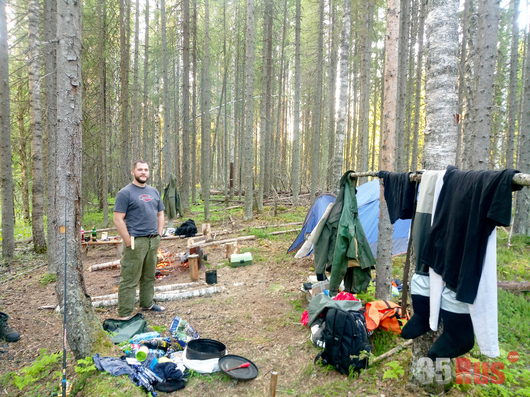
<point>6,333</point>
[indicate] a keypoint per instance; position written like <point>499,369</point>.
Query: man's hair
<point>139,162</point>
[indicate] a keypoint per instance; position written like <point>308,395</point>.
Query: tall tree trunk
<point>186,158</point>
<point>83,330</point>
<point>441,99</point>
<point>124,91</point>
<point>418,86</point>
<point>205,117</point>
<point>37,187</point>
<point>193,147</point>
<point>481,112</point>
<point>338,155</point>
<point>295,176</point>
<point>51,126</point>
<point>512,90</point>
<point>388,148</point>
<point>102,109</point>
<point>6,176</point>
<point>266,99</point>
<point>365,66</point>
<point>404,29</point>
<point>332,78</point>
<point>521,223</point>
<point>167,159</point>
<point>248,130</point>
<point>145,110</point>
<point>317,107</point>
<point>136,111</point>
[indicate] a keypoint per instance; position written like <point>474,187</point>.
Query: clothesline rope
<point>518,179</point>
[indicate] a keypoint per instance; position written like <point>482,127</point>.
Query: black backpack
<point>345,337</point>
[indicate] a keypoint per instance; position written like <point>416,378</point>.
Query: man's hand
<point>119,221</point>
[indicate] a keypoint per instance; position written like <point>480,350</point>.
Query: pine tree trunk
<point>338,158</point>
<point>365,67</point>
<point>186,158</point>
<point>145,141</point>
<point>6,177</point>
<point>317,107</point>
<point>482,110</point>
<point>102,110</point>
<point>167,153</point>
<point>193,147</point>
<point>136,93</point>
<point>51,126</point>
<point>83,331</point>
<point>330,101</point>
<point>521,223</point>
<point>295,164</point>
<point>512,90</point>
<point>387,151</point>
<point>404,22</point>
<point>125,143</point>
<point>37,172</point>
<point>418,88</point>
<point>248,130</point>
<point>205,117</point>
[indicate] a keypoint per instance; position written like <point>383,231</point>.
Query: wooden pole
<point>274,382</point>
<point>193,261</point>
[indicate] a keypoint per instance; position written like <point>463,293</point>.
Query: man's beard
<point>137,178</point>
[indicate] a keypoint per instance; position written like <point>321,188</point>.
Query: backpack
<point>345,336</point>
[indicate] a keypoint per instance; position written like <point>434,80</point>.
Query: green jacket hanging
<point>343,243</point>
<point>171,199</point>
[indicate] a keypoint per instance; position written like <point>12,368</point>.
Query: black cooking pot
<point>204,349</point>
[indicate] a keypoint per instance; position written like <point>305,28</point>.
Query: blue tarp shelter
<point>368,203</point>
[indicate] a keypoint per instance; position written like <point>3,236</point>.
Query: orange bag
<point>383,314</point>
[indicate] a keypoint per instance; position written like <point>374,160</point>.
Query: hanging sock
<point>457,337</point>
<point>419,323</point>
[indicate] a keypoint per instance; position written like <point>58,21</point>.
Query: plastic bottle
<point>94,234</point>
<point>82,234</point>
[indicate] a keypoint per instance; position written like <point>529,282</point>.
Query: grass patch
<point>513,262</point>
<point>48,278</point>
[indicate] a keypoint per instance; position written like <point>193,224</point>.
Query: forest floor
<point>256,316</point>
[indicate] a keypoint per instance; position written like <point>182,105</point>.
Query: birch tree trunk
<point>338,157</point>
<point>6,176</point>
<point>461,82</point>
<point>205,117</point>
<point>441,99</point>
<point>521,223</point>
<point>186,166</point>
<point>295,176</point>
<point>83,331</point>
<point>383,266</point>
<point>37,187</point>
<point>248,130</point>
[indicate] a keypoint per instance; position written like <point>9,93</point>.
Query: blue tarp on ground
<point>368,203</point>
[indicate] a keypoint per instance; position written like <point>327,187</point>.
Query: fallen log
<point>285,231</point>
<point>281,225</point>
<point>160,288</point>
<point>168,296</point>
<point>514,285</point>
<point>220,242</point>
<point>226,208</point>
<point>106,265</point>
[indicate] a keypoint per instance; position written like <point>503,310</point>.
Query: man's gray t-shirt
<point>141,206</point>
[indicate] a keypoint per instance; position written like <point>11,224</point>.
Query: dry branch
<point>160,288</point>
<point>285,231</point>
<point>514,285</point>
<point>391,352</point>
<point>106,265</point>
<point>228,240</point>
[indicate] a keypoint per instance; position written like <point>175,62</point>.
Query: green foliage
<point>394,371</point>
<point>369,295</point>
<point>513,262</point>
<point>85,365</point>
<point>41,368</point>
<point>48,278</point>
<point>513,320</point>
<point>161,329</point>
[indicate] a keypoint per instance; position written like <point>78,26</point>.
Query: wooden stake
<point>206,229</point>
<point>193,261</point>
<point>274,382</point>
<point>231,248</point>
